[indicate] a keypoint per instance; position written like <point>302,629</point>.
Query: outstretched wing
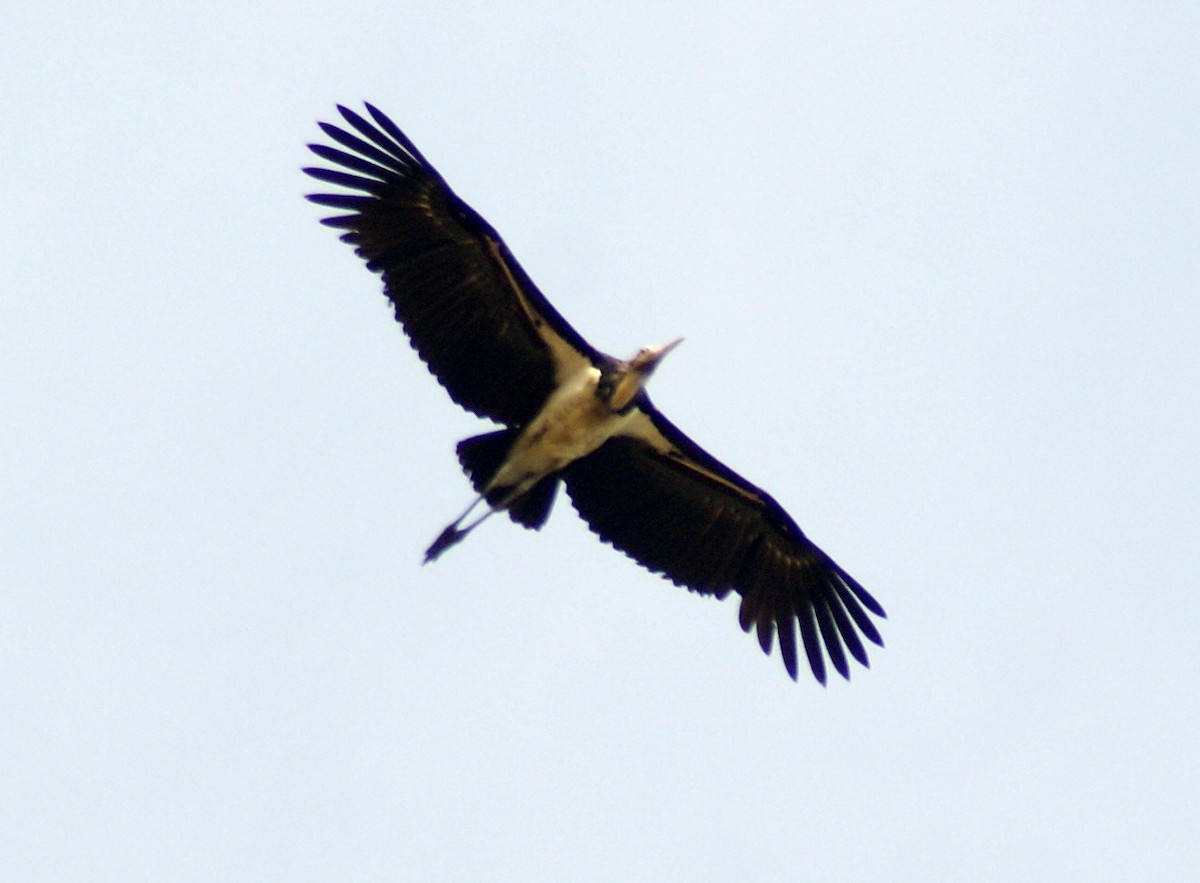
<point>657,496</point>
<point>473,315</point>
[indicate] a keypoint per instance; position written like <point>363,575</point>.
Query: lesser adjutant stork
<point>571,414</point>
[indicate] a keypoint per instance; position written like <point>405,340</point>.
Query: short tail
<point>481,456</point>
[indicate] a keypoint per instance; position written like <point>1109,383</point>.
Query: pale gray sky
<point>938,273</point>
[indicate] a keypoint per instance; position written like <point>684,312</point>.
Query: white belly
<point>573,423</point>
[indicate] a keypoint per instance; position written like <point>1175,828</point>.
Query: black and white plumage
<point>573,415</point>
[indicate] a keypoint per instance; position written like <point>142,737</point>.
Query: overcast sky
<point>938,271</point>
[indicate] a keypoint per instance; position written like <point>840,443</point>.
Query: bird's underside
<point>573,416</point>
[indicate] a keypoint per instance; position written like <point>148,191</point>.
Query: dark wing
<point>657,496</point>
<point>472,314</point>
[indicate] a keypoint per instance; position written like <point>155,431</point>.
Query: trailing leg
<point>452,533</point>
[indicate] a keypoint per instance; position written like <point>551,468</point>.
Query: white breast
<point>572,424</point>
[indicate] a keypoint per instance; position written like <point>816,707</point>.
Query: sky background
<point>938,271</point>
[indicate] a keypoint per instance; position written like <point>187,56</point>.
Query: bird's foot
<point>445,540</point>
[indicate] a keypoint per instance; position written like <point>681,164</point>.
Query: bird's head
<point>627,379</point>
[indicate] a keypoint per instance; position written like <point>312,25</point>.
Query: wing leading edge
<point>661,499</point>
<point>471,312</point>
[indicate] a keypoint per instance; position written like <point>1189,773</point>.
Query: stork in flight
<point>571,414</point>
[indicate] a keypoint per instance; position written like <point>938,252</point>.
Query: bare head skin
<point>639,369</point>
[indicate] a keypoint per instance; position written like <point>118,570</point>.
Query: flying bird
<point>572,415</point>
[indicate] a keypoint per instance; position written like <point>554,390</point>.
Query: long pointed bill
<point>647,360</point>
